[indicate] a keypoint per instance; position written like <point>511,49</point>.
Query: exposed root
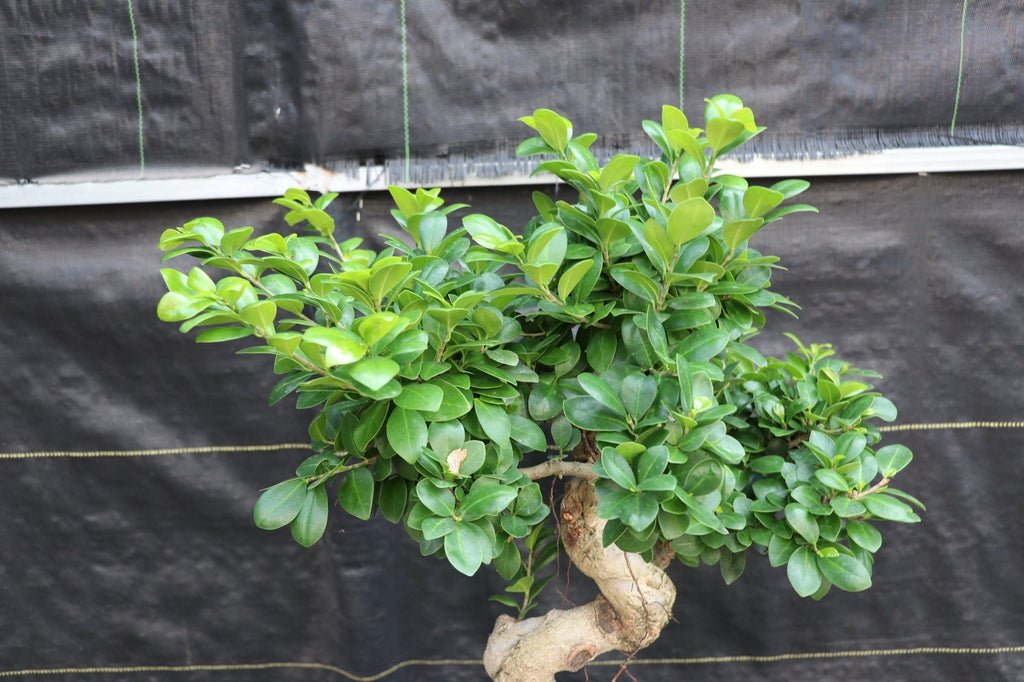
<point>635,604</point>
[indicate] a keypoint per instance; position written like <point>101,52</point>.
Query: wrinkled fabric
<point>285,83</point>
<point>155,560</point>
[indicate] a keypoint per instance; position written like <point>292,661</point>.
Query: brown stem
<point>635,604</point>
<point>559,467</point>
<point>873,489</point>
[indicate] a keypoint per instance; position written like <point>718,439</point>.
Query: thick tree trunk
<point>635,604</point>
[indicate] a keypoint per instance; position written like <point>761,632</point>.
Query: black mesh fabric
<point>154,560</point>
<point>285,83</point>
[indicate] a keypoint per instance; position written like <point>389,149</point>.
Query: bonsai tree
<point>606,346</point>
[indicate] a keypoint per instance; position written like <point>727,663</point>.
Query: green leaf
<point>279,504</point>
<point>494,421</point>
<point>375,372</point>
<point>486,500</point>
<point>355,494</point>
<point>487,232</point>
<point>553,129</point>
<point>732,565</point>
<point>803,573</point>
<point>892,459</point>
<point>638,510</point>
<point>446,436</point>
<point>845,572</point>
<point>175,307</point>
<point>619,168</point>
<point>441,501</point>
<point>883,409</point>
<point>889,509</point>
<point>602,392</point>
<point>527,433</point>
<point>864,535</point>
<point>739,231</point>
<point>705,478</point>
<point>508,562</point>
<point>833,479</point>
<point>702,345</point>
<point>454,404</point>
<point>309,526</point>
<point>722,131</point>
<point>790,188</point>
<point>638,394</point>
<point>636,282</point>
<point>394,493</point>
<point>601,349</point>
<point>586,413</point>
<point>404,200</point>
<point>614,466</point>
<point>421,397</point>
<point>219,334</point>
<point>466,547</point>
<point>652,463</point>
<point>407,434</point>
<point>569,280</point>
<point>802,522</point>
<point>435,527</point>
<point>545,401</point>
<point>846,508</point>
<point>341,347</point>
<point>689,219</point>
<point>759,200</point>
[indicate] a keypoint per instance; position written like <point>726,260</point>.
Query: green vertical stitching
<point>960,70</point>
<point>682,49</point>
<point>138,86</point>
<point>405,87</point>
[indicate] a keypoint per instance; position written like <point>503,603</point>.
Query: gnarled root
<point>635,604</point>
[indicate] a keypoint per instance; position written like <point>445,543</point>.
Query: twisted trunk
<point>635,604</point>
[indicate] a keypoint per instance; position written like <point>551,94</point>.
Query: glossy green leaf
<point>421,397</point>
<point>466,548</point>
<point>759,200</point>
<point>892,459</point>
<point>375,372</point>
<point>601,392</point>
<point>586,413</point>
<point>864,535</point>
<point>527,433</point>
<point>440,501</point>
<point>486,500</point>
<point>845,572</point>
<point>689,219</point>
<point>394,494</point>
<point>803,572</point>
<point>802,522</point>
<point>407,434</point>
<point>355,494</point>
<point>280,504</point>
<point>614,466</point>
<point>340,347</point>
<point>494,421</point>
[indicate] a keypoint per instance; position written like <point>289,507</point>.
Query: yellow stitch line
<point>277,665</point>
<point>952,425</point>
<point>702,660</point>
<point>205,449</point>
<point>209,449</point>
<point>822,655</point>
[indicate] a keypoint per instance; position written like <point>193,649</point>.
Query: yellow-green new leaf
<point>572,277</point>
<point>689,219</point>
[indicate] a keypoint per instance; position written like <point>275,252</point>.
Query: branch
<point>560,468</point>
<point>873,489</point>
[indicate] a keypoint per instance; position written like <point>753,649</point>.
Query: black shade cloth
<point>282,82</point>
<point>155,561</point>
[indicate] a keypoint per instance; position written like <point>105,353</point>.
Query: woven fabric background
<point>133,560</point>
<point>286,83</point>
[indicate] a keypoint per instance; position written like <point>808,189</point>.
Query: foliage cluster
<point>613,330</point>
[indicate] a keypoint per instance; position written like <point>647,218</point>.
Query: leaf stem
<point>340,469</point>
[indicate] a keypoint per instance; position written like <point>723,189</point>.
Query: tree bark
<point>635,604</point>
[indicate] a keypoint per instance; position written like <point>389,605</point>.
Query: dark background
<point>154,561</point>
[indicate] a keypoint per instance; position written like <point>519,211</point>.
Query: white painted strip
<point>248,184</point>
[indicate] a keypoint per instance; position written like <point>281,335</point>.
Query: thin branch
<point>560,468</point>
<point>881,485</point>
